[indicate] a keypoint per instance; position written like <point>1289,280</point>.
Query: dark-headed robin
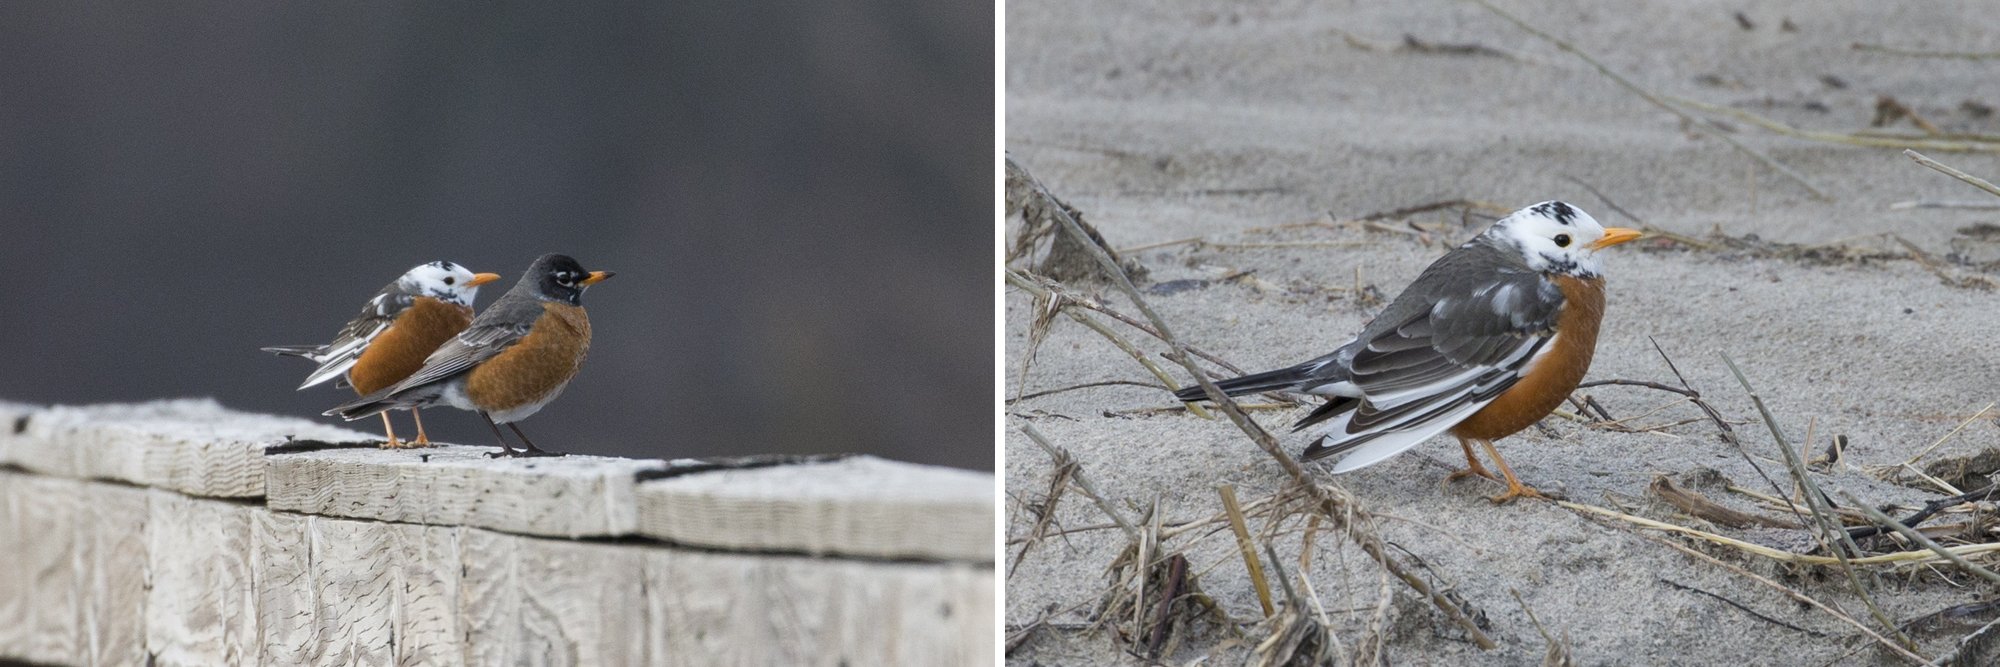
<point>1487,341</point>
<point>396,330</point>
<point>516,356</point>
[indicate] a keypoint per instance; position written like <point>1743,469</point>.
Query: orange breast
<point>400,350</point>
<point>1554,375</point>
<point>542,362</point>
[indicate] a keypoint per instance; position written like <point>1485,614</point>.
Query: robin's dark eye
<point>451,281</point>
<point>1562,240</point>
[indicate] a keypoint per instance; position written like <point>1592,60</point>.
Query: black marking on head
<point>448,266</point>
<point>557,278</point>
<point>21,424</point>
<point>1560,264</point>
<point>1561,212</point>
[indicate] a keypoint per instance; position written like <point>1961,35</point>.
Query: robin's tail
<point>365,406</point>
<point>1283,378</point>
<point>313,352</point>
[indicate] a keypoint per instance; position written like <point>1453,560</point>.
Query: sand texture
<point>1265,130</point>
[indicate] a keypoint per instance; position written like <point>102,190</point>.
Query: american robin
<point>516,356</point>
<point>1487,341</point>
<point>395,331</point>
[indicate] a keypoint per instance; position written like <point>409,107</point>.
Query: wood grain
<point>443,557</point>
<point>194,446</point>
<point>860,506</point>
<point>201,609</point>
<point>571,496</point>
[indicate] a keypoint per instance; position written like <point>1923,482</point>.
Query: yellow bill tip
<point>1614,236</point>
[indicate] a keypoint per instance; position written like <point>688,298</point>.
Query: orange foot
<point>1474,470</point>
<point>1517,490</point>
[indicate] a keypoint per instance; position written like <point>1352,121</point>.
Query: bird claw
<point>1520,491</point>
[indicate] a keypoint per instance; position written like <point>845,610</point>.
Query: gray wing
<point>502,325</point>
<point>376,316</point>
<point>1459,336</point>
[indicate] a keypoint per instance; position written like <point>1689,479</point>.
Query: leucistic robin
<point>516,356</point>
<point>395,331</point>
<point>1487,341</point>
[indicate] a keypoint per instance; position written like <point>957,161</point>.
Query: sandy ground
<point>1164,121</point>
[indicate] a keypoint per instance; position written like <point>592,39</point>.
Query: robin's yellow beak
<point>596,277</point>
<point>481,279</point>
<point>1614,236</point>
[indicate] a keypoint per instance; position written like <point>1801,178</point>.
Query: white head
<point>445,282</point>
<point>1554,237</point>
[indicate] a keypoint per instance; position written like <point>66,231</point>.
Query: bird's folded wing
<point>1423,375</point>
<point>376,317</point>
<point>476,344</point>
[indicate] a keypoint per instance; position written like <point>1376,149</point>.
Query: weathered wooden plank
<point>37,620</point>
<point>385,570</point>
<point>49,515</point>
<point>354,585</point>
<point>711,608</point>
<point>340,592</point>
<point>201,609</point>
<point>286,597</point>
<point>550,602</point>
<point>428,631</point>
<point>194,446</point>
<point>571,496</point>
<point>111,548</point>
<point>15,552</point>
<point>73,578</point>
<point>861,506</point>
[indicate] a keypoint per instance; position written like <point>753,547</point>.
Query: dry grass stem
<point>1083,483</point>
<point>1915,557</point>
<point>1948,170</point>
<point>1335,503</point>
<point>1695,505</point>
<point>1850,139</point>
<point>1249,552</point>
<point>1649,96</point>
<point>1907,654</point>
<point>1947,436</point>
<point>1922,53</point>
<point>1920,539</point>
<point>1826,526</point>
<point>1558,653</point>
<point>1045,511</point>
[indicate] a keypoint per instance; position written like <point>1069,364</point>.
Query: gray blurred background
<point>796,195</point>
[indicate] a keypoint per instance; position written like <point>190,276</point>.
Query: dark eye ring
<point>1562,240</point>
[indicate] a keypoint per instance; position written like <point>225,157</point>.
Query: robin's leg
<point>1515,489</point>
<point>504,449</point>
<point>1472,466</point>
<point>422,438</point>
<point>421,441</point>
<point>531,450</point>
<point>389,429</point>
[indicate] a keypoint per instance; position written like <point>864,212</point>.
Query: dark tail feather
<point>307,351</point>
<point>1333,407</point>
<point>364,407</point>
<point>1283,378</point>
